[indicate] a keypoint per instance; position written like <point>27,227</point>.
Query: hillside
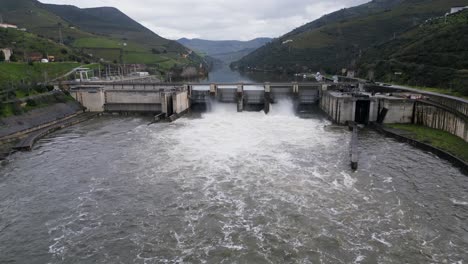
<point>434,54</point>
<point>224,50</point>
<point>103,32</point>
<point>24,44</point>
<point>335,41</point>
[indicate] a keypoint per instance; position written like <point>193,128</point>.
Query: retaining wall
<point>443,119</point>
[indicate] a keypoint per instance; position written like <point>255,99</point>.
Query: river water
<point>227,187</point>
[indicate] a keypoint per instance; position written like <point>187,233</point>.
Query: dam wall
<point>441,118</point>
<point>365,108</point>
<point>134,98</point>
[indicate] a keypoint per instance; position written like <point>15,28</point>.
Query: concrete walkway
<point>409,89</point>
<point>28,142</point>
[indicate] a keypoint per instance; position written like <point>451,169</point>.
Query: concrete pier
<point>354,146</point>
<point>267,99</point>
<point>240,98</point>
<point>213,90</point>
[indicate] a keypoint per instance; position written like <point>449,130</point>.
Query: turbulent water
<point>228,187</point>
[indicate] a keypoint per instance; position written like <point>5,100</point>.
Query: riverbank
<point>17,127</point>
<point>441,143</point>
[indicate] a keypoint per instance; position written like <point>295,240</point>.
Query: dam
<point>343,102</point>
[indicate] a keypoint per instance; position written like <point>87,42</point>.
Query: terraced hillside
<point>104,33</point>
<point>433,54</point>
<point>336,41</point>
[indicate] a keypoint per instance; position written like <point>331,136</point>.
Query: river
<point>228,187</point>
<point>224,74</point>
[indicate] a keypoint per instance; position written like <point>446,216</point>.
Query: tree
<point>189,72</point>
<point>13,58</point>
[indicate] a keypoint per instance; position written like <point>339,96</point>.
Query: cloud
<point>220,19</point>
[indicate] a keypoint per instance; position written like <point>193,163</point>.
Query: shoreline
<point>456,161</point>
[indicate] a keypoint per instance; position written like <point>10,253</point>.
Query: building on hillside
<point>351,74</point>
<point>457,9</point>
<point>35,56</point>
<point>7,52</point>
<point>4,25</point>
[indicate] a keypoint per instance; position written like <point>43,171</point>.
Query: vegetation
<point>337,40</point>
<point>19,107</point>
<point>434,54</point>
<point>95,33</point>
<point>16,73</point>
<point>437,138</point>
<point>25,44</point>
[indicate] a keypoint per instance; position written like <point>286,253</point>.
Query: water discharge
<point>228,187</point>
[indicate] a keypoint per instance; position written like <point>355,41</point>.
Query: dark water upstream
<point>224,74</point>
<point>229,188</point>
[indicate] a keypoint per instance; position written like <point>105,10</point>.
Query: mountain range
<point>224,50</point>
<point>336,40</point>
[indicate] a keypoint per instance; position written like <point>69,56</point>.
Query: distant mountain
<point>225,50</point>
<point>433,54</point>
<point>104,32</point>
<point>336,41</point>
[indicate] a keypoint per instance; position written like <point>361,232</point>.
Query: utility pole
<point>60,33</point>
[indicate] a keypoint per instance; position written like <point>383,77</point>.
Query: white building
<point>7,52</point>
<point>4,25</point>
<point>457,9</point>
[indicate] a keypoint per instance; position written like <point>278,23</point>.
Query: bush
<point>40,89</point>
<point>17,110</point>
<point>13,58</point>
<point>31,102</point>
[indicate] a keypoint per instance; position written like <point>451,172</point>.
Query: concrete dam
<point>343,102</point>
<point>175,99</point>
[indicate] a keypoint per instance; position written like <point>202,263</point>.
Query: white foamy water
<point>228,187</point>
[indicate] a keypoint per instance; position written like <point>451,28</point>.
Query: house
<point>351,74</point>
<point>457,9</point>
<point>7,52</point>
<point>4,25</point>
<point>35,56</point>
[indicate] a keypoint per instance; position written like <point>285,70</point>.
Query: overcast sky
<point>220,19</point>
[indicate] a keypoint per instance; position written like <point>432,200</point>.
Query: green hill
<point>24,44</point>
<point>105,33</point>
<point>433,54</point>
<point>336,41</point>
